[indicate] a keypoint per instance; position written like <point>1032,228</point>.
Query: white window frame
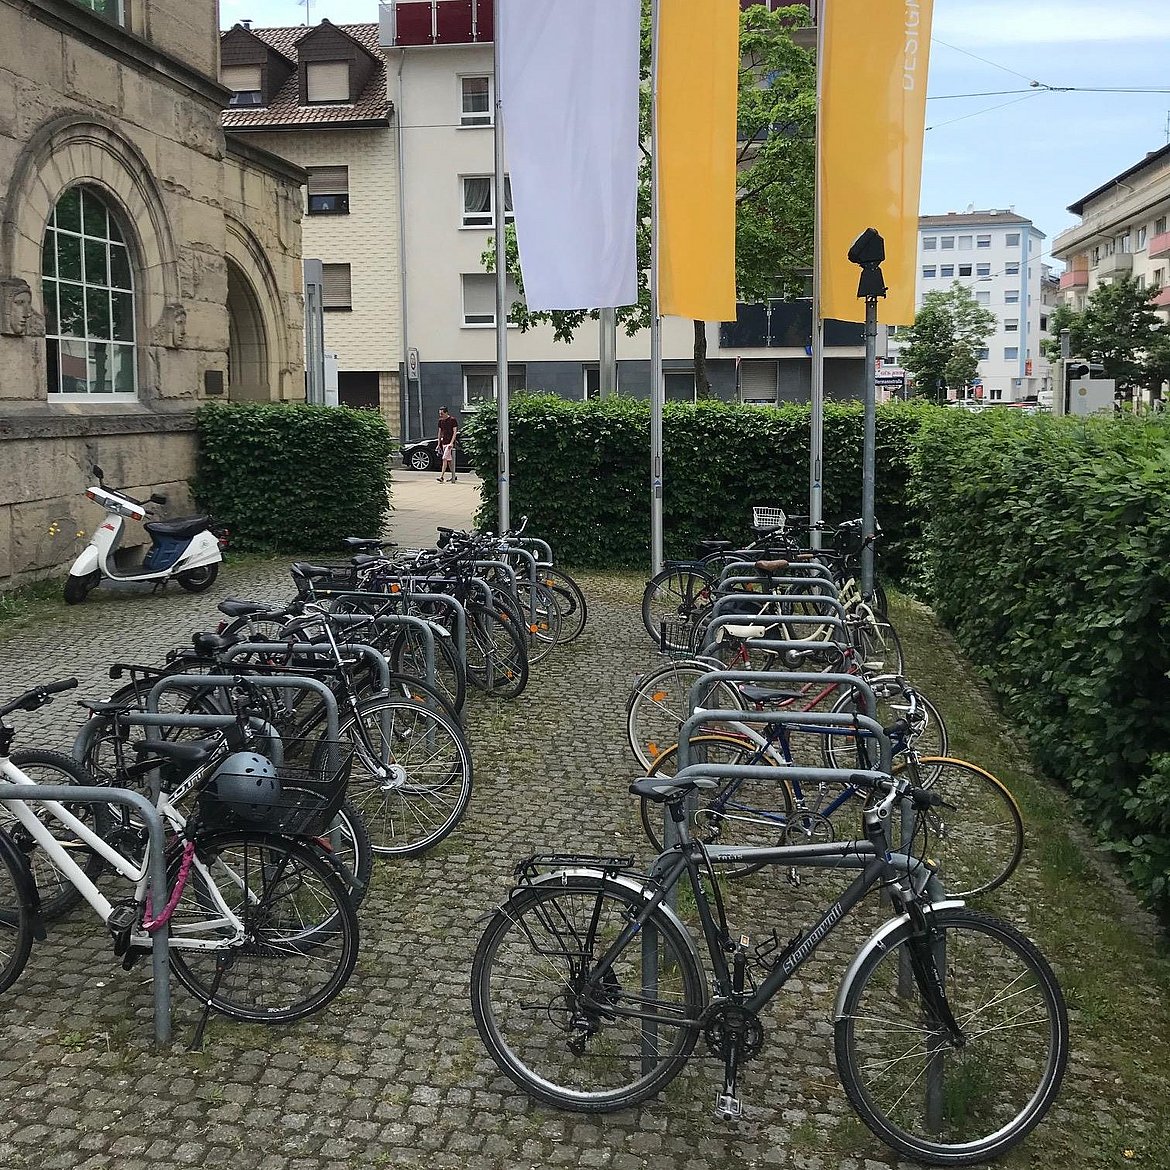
<point>1012,268</point>
<point>1011,353</point>
<point>489,280</point>
<point>515,369</point>
<point>930,243</point>
<point>943,274</point>
<point>1011,324</point>
<point>965,243</point>
<point>983,269</point>
<point>310,66</point>
<point>472,120</point>
<point>485,220</point>
<point>968,267</point>
<point>982,297</point>
<point>1011,296</point>
<point>929,271</point>
<point>1142,236</point>
<point>982,242</point>
<point>1012,239</point>
<point>947,243</point>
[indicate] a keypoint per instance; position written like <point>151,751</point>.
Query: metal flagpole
<point>657,389</point>
<point>503,439</point>
<point>817,390</point>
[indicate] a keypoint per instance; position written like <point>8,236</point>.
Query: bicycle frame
<point>136,873</point>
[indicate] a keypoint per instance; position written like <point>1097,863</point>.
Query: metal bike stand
<point>375,656</point>
<point>768,620</point>
<point>510,573</point>
<point>824,588</point>
<point>803,568</point>
<point>725,601</point>
<point>541,546</point>
<point>530,563</point>
<point>156,873</point>
<point>425,626</point>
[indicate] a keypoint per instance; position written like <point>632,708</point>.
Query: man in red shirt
<point>448,429</point>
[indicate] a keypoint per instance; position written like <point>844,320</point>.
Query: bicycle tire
<point>845,750</point>
<point>411,774</point>
<point>996,980</point>
<point>879,649</point>
<point>295,882</point>
<point>497,657</point>
<point>58,894</point>
<point>979,839</point>
<point>543,926</point>
<point>408,657</point>
<point>659,705</point>
<point>17,896</point>
<point>347,844</point>
<point>541,619</point>
<point>571,601</point>
<point>745,812</point>
<point>680,596</point>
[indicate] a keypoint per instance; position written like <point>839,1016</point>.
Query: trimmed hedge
<point>580,471</point>
<point>1047,551</point>
<point>287,477</point>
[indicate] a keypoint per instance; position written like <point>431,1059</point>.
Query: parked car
<point>422,456</point>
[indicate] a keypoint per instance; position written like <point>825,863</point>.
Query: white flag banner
<point>569,86</point>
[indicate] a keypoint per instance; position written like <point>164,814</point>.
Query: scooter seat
<point>182,529</point>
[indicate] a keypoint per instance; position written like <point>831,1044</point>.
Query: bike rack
<point>456,607</point>
<point>156,874</point>
<point>776,620</point>
<point>809,568</point>
<point>541,546</point>
<point>726,600</point>
<point>828,588</point>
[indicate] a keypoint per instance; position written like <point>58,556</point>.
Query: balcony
<point>784,325</point>
<point>1159,246</point>
<point>1075,278</point>
<point>407,23</point>
<point>1162,300</point>
<point>1116,265</point>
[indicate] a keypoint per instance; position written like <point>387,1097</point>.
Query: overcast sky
<point>1037,154</point>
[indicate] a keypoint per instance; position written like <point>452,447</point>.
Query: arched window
<point>89,300</point>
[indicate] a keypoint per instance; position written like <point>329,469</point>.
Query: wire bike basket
<point>768,519</point>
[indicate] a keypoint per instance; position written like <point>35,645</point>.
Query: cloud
<point>1048,22</point>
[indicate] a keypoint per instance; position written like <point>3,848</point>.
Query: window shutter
<point>328,81</point>
<point>328,180</point>
<point>479,298</point>
<point>335,285</point>
<point>241,78</point>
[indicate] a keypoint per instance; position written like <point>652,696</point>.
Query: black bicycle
<point>950,1029</point>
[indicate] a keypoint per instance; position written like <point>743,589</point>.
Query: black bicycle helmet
<point>246,785</point>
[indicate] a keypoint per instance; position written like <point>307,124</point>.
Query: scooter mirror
<point>99,473</point>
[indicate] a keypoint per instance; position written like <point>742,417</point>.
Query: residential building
<point>996,256</point>
<point>317,96</point>
<point>148,262</point>
<point>1124,231</point>
<point>439,60</point>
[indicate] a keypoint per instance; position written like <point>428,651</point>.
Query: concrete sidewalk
<point>421,504</point>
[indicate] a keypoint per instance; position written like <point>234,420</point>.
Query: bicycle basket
<point>310,785</point>
<point>768,519</point>
<point>680,636</point>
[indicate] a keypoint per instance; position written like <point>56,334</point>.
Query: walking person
<point>448,429</point>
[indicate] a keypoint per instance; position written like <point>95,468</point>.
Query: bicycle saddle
<point>662,789</point>
<point>236,607</point>
<point>313,572</point>
<point>209,643</point>
<point>185,751</point>
<point>768,694</point>
<point>771,566</point>
<point>364,543</point>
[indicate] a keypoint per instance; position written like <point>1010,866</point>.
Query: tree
<point>942,346</point>
<point>774,199</point>
<point>1119,327</point>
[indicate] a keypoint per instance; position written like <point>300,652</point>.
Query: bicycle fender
<point>634,886</point>
<point>25,883</point>
<point>877,941</point>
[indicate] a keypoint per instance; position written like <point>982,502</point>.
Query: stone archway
<point>249,364</point>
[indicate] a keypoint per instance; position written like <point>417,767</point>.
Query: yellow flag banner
<point>872,120</point>
<point>698,78</point>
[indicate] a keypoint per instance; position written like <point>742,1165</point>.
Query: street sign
<point>412,364</point>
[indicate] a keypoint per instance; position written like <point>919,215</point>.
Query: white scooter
<point>186,549</point>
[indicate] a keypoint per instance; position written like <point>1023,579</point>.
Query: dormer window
<point>327,81</point>
<point>245,83</point>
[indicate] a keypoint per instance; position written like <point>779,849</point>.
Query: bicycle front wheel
<point>677,601</point>
<point>569,1030</point>
<point>299,938</point>
<point>497,657</point>
<point>978,836</point>
<point>570,600</point>
<point>411,774</point>
<point>928,1099</point>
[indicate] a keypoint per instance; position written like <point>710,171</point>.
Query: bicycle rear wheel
<point>660,703</point>
<point>570,600</point>
<point>497,658</point>
<point>945,1105</point>
<point>408,656</point>
<point>300,931</point>
<point>679,598</point>
<point>541,619</point>
<point>565,1032</point>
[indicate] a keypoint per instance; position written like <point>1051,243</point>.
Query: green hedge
<point>580,471</point>
<point>289,477</point>
<point>1047,551</point>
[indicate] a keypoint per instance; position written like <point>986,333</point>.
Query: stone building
<point>148,262</point>
<point>317,96</point>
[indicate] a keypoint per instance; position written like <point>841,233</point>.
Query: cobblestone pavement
<point>392,1073</point>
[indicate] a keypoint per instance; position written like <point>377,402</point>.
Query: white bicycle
<point>262,926</point>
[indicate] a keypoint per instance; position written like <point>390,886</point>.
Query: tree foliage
<point>775,160</point>
<point>1119,324</point>
<point>942,346</point>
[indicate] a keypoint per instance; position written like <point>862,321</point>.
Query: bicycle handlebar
<point>38,696</point>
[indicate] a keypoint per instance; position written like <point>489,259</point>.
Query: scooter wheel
<point>198,580</point>
<point>76,588</point>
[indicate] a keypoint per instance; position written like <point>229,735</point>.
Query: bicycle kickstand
<point>728,1106</point>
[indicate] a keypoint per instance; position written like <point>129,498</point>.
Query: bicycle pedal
<point>728,1108</point>
<point>122,920</point>
<point>134,955</point>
